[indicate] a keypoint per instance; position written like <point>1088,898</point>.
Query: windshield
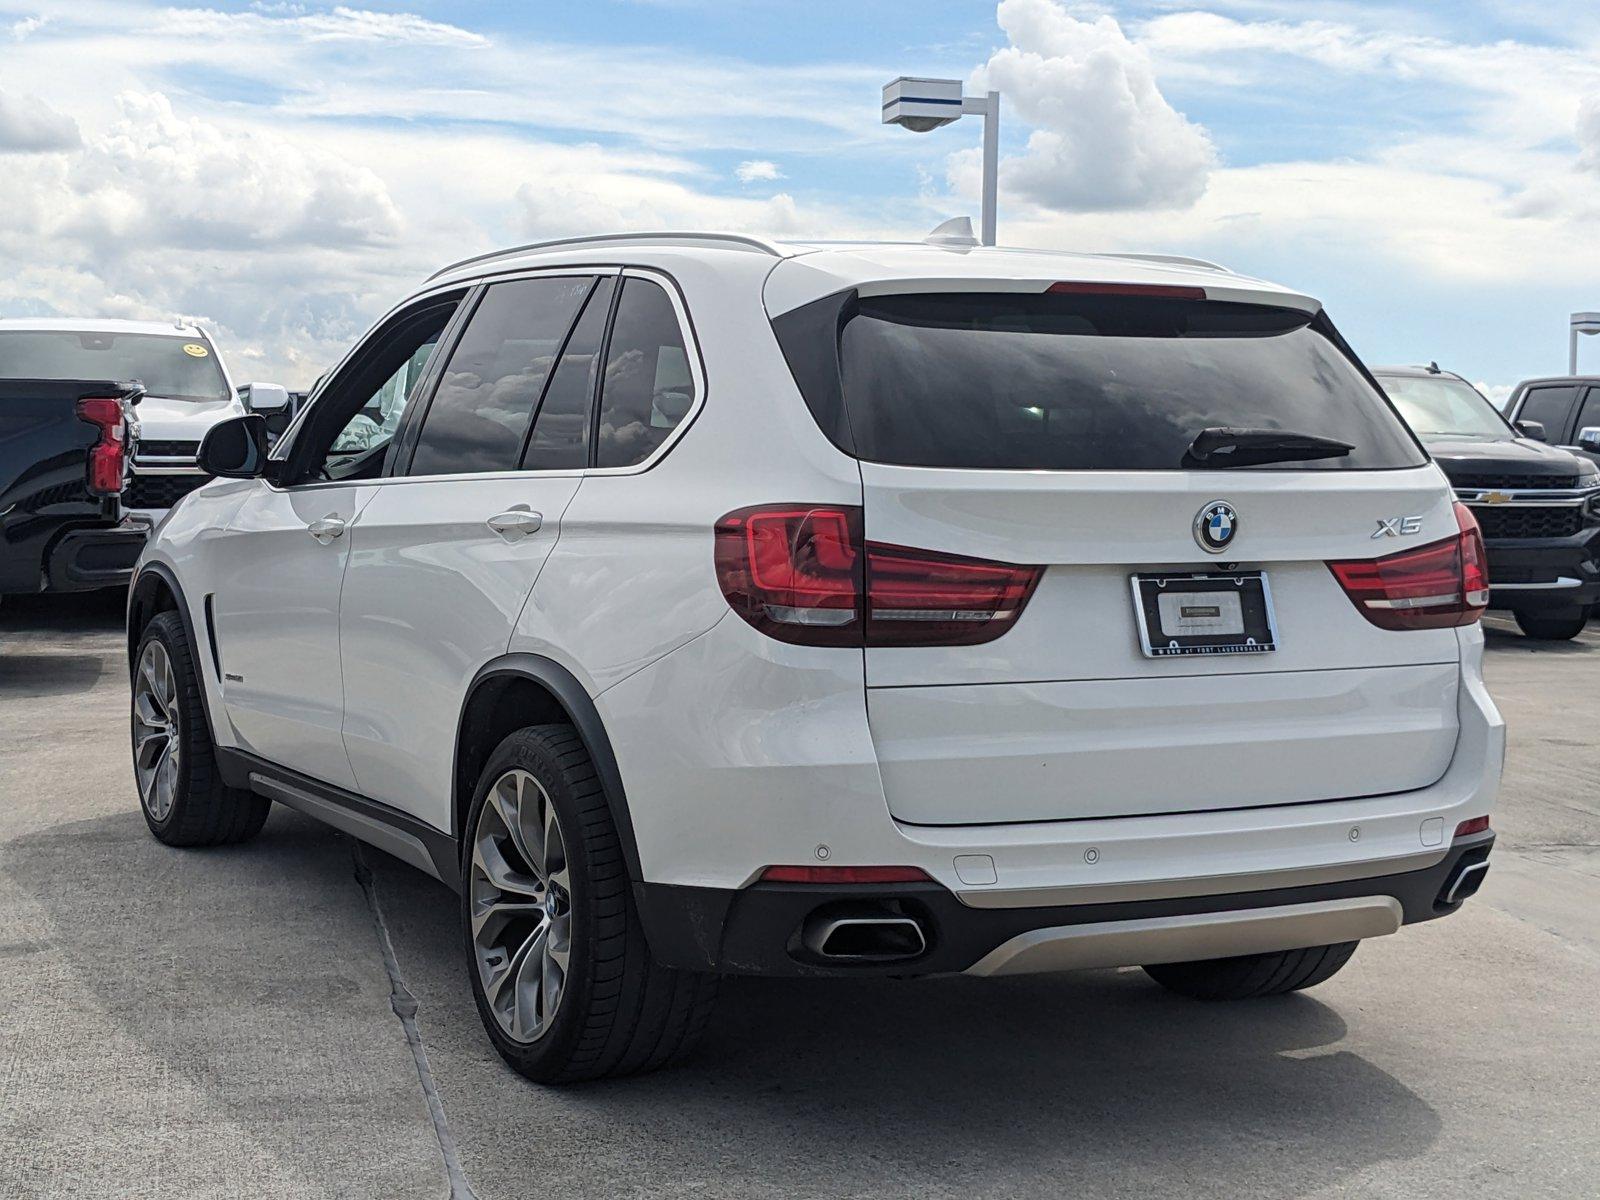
<point>1014,381</point>
<point>1438,406</point>
<point>171,366</point>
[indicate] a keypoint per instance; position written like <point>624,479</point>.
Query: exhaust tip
<point>1466,881</point>
<point>864,938</point>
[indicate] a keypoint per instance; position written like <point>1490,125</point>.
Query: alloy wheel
<point>520,904</point>
<point>156,743</point>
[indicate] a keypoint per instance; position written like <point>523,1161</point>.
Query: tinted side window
<point>1550,407</point>
<point>1589,414</point>
<point>647,389</point>
<point>350,429</point>
<point>560,440</point>
<point>491,386</point>
<point>380,415</point>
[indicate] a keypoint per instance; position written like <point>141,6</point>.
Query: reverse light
<point>1474,825</point>
<point>840,875</point>
<point>108,455</point>
<point>804,574</point>
<point>1436,586</point>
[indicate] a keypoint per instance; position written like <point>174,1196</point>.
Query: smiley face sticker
<point>195,350</point>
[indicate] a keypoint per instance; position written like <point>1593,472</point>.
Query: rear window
<point>173,367</point>
<point>1061,382</point>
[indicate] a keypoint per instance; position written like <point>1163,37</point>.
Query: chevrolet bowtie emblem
<point>1494,497</point>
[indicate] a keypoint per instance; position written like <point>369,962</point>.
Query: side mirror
<point>1589,439</point>
<point>264,397</point>
<point>236,449</point>
<point>1533,429</point>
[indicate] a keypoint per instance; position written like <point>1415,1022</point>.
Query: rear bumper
<point>1545,574</point>
<point>83,559</point>
<point>760,930</point>
<point>69,556</point>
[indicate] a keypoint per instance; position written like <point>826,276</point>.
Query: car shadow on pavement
<point>963,1087</point>
<point>1099,1081</point>
<point>31,675</point>
<point>75,612</point>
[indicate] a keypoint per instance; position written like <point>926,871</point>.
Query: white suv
<point>695,604</point>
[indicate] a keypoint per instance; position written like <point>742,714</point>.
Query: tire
<point>1546,628</point>
<point>1253,974</point>
<point>608,1009</point>
<point>181,792</point>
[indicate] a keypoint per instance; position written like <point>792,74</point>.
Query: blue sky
<point>285,171</point>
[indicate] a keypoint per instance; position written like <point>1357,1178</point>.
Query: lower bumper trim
<point>757,930</point>
<point>1188,938</point>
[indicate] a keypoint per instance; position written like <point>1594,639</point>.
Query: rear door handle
<point>327,528</point>
<point>516,523</point>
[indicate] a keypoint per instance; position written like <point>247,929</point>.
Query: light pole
<point>1589,323</point>
<point>921,105</point>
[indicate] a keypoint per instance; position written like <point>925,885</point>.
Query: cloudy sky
<point>285,171</point>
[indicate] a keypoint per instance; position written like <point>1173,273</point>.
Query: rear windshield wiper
<point>1220,447</point>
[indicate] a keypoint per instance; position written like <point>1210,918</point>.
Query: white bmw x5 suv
<point>693,604</point>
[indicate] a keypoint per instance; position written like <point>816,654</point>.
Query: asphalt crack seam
<point>404,1005</point>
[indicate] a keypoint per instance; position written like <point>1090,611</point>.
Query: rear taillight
<point>1473,825</point>
<point>108,455</point>
<point>1435,586</point>
<point>804,574</point>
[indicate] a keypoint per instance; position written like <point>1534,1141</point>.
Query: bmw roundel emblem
<point>1215,525</point>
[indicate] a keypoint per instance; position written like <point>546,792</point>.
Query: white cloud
<point>154,177</point>
<point>612,202</point>
<point>158,214</point>
<point>757,170</point>
<point>1497,393</point>
<point>1104,137</point>
<point>1514,92</point>
<point>1409,222</point>
<point>29,126</point>
<point>1589,134</point>
<point>339,24</point>
<point>27,25</point>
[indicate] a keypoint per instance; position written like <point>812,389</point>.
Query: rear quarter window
<point>1017,381</point>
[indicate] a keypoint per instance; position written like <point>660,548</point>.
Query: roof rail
<point>1178,259</point>
<point>670,236</point>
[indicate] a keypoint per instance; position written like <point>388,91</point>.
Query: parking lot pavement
<point>217,1023</point>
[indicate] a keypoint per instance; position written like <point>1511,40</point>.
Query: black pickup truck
<point>1537,505</point>
<point>63,457</point>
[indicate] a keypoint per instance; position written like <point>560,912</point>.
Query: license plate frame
<point>1220,600</point>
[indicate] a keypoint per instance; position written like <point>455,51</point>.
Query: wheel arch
<point>522,689</point>
<point>155,590</point>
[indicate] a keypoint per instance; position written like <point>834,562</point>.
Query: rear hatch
<point>1057,431</point>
